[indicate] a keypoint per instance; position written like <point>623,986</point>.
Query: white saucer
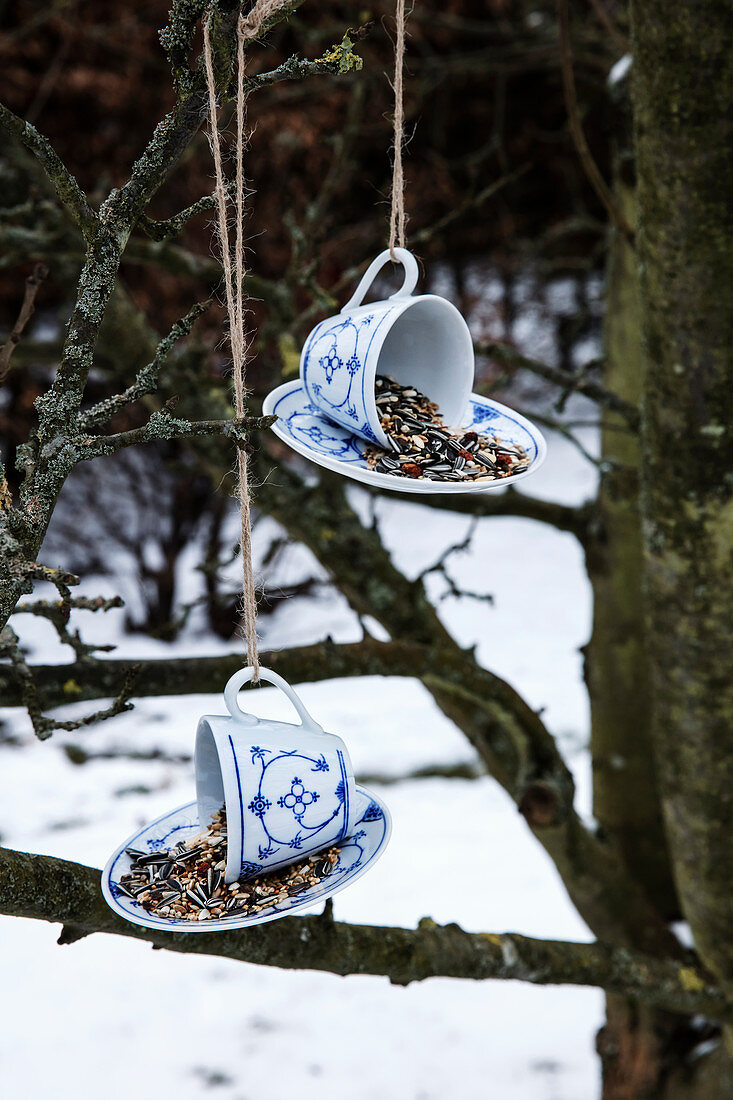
<point>303,427</point>
<point>357,854</point>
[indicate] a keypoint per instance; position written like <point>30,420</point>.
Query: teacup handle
<point>244,676</point>
<point>412,273</point>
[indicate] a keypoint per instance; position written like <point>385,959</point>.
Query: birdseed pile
<point>421,446</point>
<point>186,882</point>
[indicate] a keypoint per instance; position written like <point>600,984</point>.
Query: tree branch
<point>178,260</point>
<point>58,612</point>
<point>43,726</point>
<point>579,383</point>
<point>510,737</point>
<point>32,284</point>
<point>65,185</point>
<point>147,377</point>
<point>622,41</point>
<point>203,675</point>
<point>61,892</point>
<point>162,426</point>
<point>592,170</point>
<point>336,61</point>
<point>171,227</point>
<point>579,521</point>
<point>473,202</point>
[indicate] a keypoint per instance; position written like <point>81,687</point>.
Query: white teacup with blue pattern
<point>418,340</point>
<point>288,789</point>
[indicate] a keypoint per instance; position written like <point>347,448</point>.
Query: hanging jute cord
<point>247,28</point>
<point>397,215</point>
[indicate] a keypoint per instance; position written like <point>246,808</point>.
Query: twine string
<point>247,28</point>
<point>397,214</point>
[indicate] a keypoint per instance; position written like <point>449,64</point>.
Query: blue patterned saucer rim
<point>357,854</point>
<point>308,431</point>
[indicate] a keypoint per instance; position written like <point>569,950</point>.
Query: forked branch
<point>578,383</point>
<point>65,184</point>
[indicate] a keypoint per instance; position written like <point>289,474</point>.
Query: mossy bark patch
<point>683,88</point>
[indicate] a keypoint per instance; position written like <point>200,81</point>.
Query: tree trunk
<point>641,1049</point>
<point>625,795</point>
<point>683,87</point>
<point>683,84</point>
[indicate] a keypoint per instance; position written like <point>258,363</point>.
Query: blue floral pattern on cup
<point>310,825</point>
<point>298,799</point>
<point>333,368</point>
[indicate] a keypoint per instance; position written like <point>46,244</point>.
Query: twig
<point>441,565</point>
<point>558,426</point>
<point>32,285</point>
<point>604,16</point>
<point>579,382</point>
<point>51,76</point>
<point>147,378</point>
<point>57,612</point>
<point>473,202</point>
<point>340,59</point>
<point>65,184</point>
<point>171,227</point>
<point>44,726</point>
<point>592,170</point>
<point>317,209</point>
<point>163,426</point>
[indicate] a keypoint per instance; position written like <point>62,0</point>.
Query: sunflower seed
<point>197,893</point>
<point>415,433</point>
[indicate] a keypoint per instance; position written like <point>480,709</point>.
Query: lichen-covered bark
<point>47,458</point>
<point>683,90</point>
<point>625,795</point>
<point>44,888</point>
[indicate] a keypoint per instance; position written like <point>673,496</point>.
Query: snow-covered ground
<point>111,1018</point>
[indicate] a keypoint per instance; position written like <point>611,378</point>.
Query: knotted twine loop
<point>397,215</point>
<point>247,28</point>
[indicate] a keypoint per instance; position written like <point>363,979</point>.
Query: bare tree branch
<point>579,383</point>
<point>473,202</point>
<point>576,128</point>
<point>162,425</point>
<point>65,185</point>
<point>147,378</point>
<point>171,227</point>
<point>621,40</point>
<point>46,459</point>
<point>44,726</point>
<point>580,521</point>
<point>510,737</point>
<point>58,612</point>
<point>32,285</point>
<point>61,892</point>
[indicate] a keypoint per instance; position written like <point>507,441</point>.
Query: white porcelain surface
<point>357,854</point>
<point>288,789</point>
<point>418,340</point>
<point>302,425</point>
